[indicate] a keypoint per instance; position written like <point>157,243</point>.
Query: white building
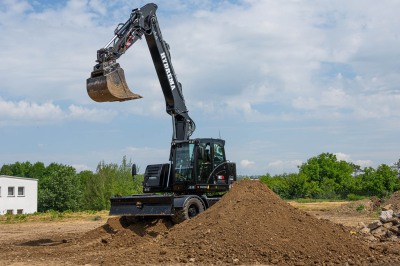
<point>18,195</point>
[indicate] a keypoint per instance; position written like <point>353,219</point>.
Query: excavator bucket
<point>109,85</point>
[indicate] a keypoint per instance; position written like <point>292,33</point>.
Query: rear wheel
<point>192,207</point>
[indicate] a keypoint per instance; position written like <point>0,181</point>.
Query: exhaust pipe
<point>108,84</point>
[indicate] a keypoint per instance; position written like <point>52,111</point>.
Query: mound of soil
<point>249,225</point>
<point>253,225</point>
<point>394,200</point>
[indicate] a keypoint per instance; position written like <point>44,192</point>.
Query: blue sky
<point>280,81</point>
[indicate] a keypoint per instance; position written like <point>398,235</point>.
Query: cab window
<point>218,154</point>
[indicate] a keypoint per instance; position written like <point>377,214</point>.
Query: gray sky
<point>280,81</point>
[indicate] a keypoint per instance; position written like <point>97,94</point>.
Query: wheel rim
<point>192,211</point>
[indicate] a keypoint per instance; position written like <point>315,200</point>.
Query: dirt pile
<point>252,225</point>
<point>249,225</point>
<point>394,201</point>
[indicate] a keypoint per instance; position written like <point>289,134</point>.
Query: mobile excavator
<point>198,173</point>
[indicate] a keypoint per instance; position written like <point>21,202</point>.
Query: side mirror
<point>134,171</point>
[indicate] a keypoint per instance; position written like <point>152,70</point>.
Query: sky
<point>280,80</point>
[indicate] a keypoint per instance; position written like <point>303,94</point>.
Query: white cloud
<point>348,158</point>
<point>81,167</point>
<point>364,163</point>
<point>282,60</point>
<point>29,113</point>
<point>342,156</point>
<point>281,166</point>
<point>247,164</point>
<point>93,115</point>
<point>278,60</point>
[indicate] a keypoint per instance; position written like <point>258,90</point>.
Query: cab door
<point>204,163</point>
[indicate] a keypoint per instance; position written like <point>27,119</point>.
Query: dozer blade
<point>142,205</point>
<point>109,86</point>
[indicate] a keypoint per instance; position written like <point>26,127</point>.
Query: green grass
<point>350,197</point>
<point>354,197</point>
<point>53,216</point>
<point>360,208</point>
<point>304,200</point>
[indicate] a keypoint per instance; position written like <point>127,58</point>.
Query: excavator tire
<point>109,87</point>
<point>192,207</point>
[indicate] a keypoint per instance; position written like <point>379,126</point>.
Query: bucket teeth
<point>109,85</point>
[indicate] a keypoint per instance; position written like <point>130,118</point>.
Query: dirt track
<point>250,225</point>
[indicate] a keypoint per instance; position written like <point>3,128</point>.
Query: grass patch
<point>53,216</point>
<point>354,197</point>
<point>11,218</point>
<point>317,205</point>
<point>360,208</point>
<point>307,200</point>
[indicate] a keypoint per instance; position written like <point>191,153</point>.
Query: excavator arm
<point>107,81</point>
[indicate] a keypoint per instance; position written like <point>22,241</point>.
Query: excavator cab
<point>107,84</point>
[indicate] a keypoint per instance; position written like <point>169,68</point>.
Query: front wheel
<point>192,208</point>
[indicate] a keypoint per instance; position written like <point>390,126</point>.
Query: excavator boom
<point>107,81</point>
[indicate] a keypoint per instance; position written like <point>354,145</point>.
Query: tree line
<point>61,188</point>
<point>326,177</point>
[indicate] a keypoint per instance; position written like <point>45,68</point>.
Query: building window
<point>21,191</point>
<point>20,211</point>
<point>11,192</point>
<point>10,212</point>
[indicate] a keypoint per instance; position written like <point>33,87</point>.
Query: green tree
<point>25,169</point>
<point>297,185</point>
<point>368,184</point>
<point>277,184</point>
<point>6,170</point>
<point>396,167</point>
<point>59,189</point>
<point>99,187</point>
<point>388,176</point>
<point>123,182</point>
<point>37,170</point>
<point>17,169</point>
<point>378,182</point>
<point>333,177</point>
<point>85,177</point>
<point>108,181</point>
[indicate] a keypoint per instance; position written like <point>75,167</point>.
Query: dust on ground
<point>249,225</point>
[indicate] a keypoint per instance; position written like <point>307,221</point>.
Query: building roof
<point>18,177</point>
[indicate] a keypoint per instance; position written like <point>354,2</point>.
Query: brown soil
<point>249,225</point>
<point>394,200</point>
<point>342,212</point>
